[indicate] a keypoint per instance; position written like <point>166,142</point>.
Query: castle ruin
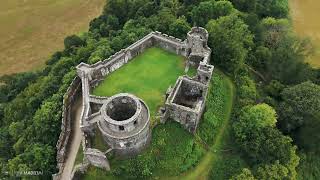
<point>124,119</point>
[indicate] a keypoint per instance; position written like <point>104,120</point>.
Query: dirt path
<point>75,141</point>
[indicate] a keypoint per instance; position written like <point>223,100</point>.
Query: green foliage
<point>168,154</point>
<point>273,8</point>
<point>102,50</point>
<point>216,110</point>
<point>300,104</point>
<point>207,10</point>
<point>268,145</point>
<point>244,175</point>
<point>308,136</point>
<point>309,166</point>
<point>264,8</point>
<point>180,28</point>
<point>245,5</point>
<point>73,41</point>
<point>30,108</point>
<point>284,56</point>
<point>274,89</point>
<point>272,171</point>
<point>231,39</point>
<point>253,118</point>
<point>247,92</point>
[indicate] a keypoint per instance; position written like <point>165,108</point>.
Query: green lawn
<point>147,76</point>
<point>177,154</point>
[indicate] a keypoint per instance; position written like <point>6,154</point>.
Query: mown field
<point>32,30</point>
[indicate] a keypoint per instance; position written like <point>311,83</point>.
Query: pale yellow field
<point>31,30</point>
<point>306,21</point>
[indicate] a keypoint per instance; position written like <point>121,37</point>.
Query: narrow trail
<point>201,171</point>
<point>75,140</point>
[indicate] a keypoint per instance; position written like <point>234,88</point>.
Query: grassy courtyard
<point>148,76</point>
<point>176,154</point>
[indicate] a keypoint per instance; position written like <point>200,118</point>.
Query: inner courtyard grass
<point>174,153</point>
<point>147,76</point>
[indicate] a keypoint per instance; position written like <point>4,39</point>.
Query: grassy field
<point>148,76</point>
<point>31,30</point>
<point>305,14</point>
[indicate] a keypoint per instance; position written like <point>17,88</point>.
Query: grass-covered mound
<point>147,76</point>
<point>172,151</point>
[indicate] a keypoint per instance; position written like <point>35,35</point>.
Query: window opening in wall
<point>121,128</point>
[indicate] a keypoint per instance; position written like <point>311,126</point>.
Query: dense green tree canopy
<point>301,103</point>
<point>231,40</point>
<point>73,41</point>
<point>253,118</point>
<point>180,28</point>
<point>272,171</point>
<point>207,10</point>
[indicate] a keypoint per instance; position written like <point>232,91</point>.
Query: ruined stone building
<point>124,119</point>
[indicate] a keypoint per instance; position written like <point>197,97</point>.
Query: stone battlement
<point>124,119</point>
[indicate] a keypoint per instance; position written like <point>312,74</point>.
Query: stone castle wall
<point>73,91</point>
<point>91,75</point>
<point>99,70</point>
<point>95,73</point>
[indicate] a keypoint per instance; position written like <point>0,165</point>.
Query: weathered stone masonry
<point>72,93</point>
<point>124,119</point>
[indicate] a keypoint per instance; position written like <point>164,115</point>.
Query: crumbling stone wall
<point>73,91</point>
<point>97,158</point>
<point>185,102</point>
<point>194,48</point>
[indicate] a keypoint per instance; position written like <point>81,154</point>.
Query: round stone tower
<point>125,124</point>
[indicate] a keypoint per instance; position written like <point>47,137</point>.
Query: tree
<point>274,89</point>
<point>247,90</point>
<point>288,52</point>
<point>253,118</point>
<point>273,30</point>
<point>245,5</point>
<point>244,175</point>
<point>231,40</point>
<point>272,171</point>
<point>73,41</point>
<point>273,8</point>
<point>180,28</point>
<point>164,20</point>
<point>207,10</point>
<point>308,136</point>
<point>268,145</point>
<point>301,103</point>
